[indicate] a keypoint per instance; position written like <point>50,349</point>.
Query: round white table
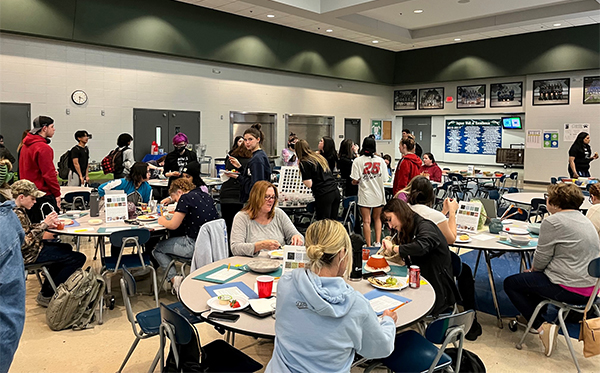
<point>193,295</point>
<point>525,199</point>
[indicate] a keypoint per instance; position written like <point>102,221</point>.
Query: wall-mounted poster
<point>431,98</point>
<point>473,136</point>
<point>376,129</point>
<point>591,90</point>
<point>506,94</point>
<point>551,91</point>
<point>405,99</point>
<point>470,96</point>
<point>550,139</point>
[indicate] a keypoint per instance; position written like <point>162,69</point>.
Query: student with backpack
<point>122,157</point>
<point>79,160</point>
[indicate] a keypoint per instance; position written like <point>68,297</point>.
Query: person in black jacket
<point>327,150</point>
<point>229,193</point>
<point>178,158</point>
<point>346,157</point>
<point>420,242</point>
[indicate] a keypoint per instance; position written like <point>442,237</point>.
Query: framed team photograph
<point>591,90</point>
<point>506,94</point>
<point>405,99</point>
<point>470,96</point>
<point>551,91</point>
<point>431,98</point>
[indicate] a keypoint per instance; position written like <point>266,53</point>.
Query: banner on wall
<point>473,136</point>
<point>533,140</point>
<point>574,129</point>
<point>550,139</point>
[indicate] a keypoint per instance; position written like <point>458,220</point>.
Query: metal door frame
<point>231,122</point>
<point>331,129</point>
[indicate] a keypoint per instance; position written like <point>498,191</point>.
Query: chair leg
<point>49,278</point>
<point>477,263</point>
<point>154,362</point>
<point>131,349</point>
<point>78,243</point>
<point>530,323</point>
<point>561,320</point>
<point>164,277</point>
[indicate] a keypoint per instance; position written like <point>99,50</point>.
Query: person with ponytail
<point>258,168</point>
<point>317,176</point>
<point>369,172</point>
<point>322,322</point>
<point>289,154</point>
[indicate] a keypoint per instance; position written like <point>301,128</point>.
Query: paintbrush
<point>382,248</point>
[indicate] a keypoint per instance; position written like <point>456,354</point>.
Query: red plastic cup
<point>365,254</point>
<point>265,286</point>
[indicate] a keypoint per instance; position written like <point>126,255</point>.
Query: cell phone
<point>223,316</point>
<point>373,274</point>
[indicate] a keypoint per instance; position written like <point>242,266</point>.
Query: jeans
<point>182,247</point>
<point>527,290</point>
<point>67,262</point>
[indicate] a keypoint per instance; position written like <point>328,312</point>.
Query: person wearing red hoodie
<point>36,164</point>
<point>408,167</point>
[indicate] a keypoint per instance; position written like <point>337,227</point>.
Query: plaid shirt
<point>33,236</point>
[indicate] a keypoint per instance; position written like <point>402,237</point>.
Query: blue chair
<point>416,353</point>
<point>145,324</point>
<point>538,209</point>
<point>553,180</point>
<point>565,308</point>
<point>349,204</point>
<point>186,350</point>
<point>513,176</point>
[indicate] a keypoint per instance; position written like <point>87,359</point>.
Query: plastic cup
<point>365,254</point>
<point>265,286</point>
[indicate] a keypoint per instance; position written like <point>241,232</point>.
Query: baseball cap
<point>26,188</point>
<point>40,122</point>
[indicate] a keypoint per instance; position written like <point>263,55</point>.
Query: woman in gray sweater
<point>568,243</point>
<point>262,226</point>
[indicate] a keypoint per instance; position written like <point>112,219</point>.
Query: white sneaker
<point>377,244</point>
<point>177,280</point>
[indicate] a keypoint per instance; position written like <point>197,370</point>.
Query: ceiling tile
<point>582,21</point>
<point>234,7</point>
<point>214,3</point>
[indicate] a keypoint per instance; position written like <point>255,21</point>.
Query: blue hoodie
<point>322,322</point>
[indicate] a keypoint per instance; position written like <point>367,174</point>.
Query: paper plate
<point>516,230</point>
<point>147,218</point>
<point>458,240</point>
<point>214,304</point>
<point>67,221</point>
<point>401,284</point>
<point>95,221</point>
<point>384,269</point>
<point>276,254</point>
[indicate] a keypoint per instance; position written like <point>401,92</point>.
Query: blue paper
<point>376,293</point>
<point>240,285</point>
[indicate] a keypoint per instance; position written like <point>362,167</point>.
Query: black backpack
<point>469,363</point>
<point>113,162</point>
<point>64,165</point>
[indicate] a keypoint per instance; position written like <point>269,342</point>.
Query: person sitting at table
<point>419,241</point>
<point>135,185</point>
<point>420,197</point>
<point>566,245</point>
<point>317,301</point>
<point>193,209</point>
<point>37,250</point>
<point>178,158</point>
<point>157,167</point>
<point>261,225</point>
<point>191,173</point>
<point>593,212</point>
<point>431,168</point>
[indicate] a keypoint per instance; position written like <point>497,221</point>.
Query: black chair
<point>538,209</point>
<point>187,354</point>
<point>79,200</point>
<point>514,189</point>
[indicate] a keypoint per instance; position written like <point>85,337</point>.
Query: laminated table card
<point>294,257</point>
<point>220,275</point>
<point>235,289</point>
<point>467,216</point>
<point>115,206</point>
<point>384,300</point>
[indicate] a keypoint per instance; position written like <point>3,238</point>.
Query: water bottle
<point>94,203</point>
<point>357,244</point>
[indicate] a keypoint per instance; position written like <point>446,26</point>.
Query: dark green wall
<point>179,29</point>
<point>575,48</point>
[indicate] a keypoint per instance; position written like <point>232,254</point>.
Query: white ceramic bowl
<point>520,240</point>
<point>534,228</point>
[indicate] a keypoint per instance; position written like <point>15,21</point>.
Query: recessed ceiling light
<point>270,16</point>
<point>418,11</point>
<point>375,41</point>
<point>556,24</point>
<point>457,39</point>
<point>329,30</point>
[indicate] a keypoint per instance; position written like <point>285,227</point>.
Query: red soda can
<point>414,277</point>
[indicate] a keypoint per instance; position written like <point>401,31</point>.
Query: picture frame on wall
<point>470,96</point>
<point>551,91</point>
<point>506,94</point>
<point>591,90</point>
<point>405,99</point>
<point>431,98</point>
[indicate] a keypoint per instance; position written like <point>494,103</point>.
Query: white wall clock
<point>79,97</point>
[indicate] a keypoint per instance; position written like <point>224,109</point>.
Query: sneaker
<point>521,320</point>
<point>377,244</point>
<point>177,280</point>
<point>42,300</point>
<point>548,336</point>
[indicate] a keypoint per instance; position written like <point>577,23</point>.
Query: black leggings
<point>327,205</point>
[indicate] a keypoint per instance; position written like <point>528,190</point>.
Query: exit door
<point>160,126</point>
<point>14,120</point>
<point>420,127</point>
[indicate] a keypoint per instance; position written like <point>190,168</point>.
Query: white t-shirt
<point>594,215</point>
<point>428,213</point>
<point>371,173</point>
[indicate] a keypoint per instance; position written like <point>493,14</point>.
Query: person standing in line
<point>258,168</point>
<point>229,194</point>
<point>408,167</point>
<point>580,156</point>
<point>346,157</point>
<point>37,165</point>
<point>418,150</point>
<point>4,152</point>
<point>289,154</point>
<point>80,156</point>
<point>327,150</point>
<point>127,160</point>
<point>317,176</point>
<point>179,158</point>
<point>369,172</point>
<point>12,284</point>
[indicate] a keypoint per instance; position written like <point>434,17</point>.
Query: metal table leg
<point>488,263</point>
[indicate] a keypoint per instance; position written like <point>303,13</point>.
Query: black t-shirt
<point>230,190</point>
<point>83,155</point>
<point>322,182</point>
<point>345,166</point>
<point>582,157</point>
<point>198,208</point>
<point>177,162</point>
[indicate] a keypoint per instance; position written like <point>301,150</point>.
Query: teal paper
<point>203,276</point>
<point>396,270</point>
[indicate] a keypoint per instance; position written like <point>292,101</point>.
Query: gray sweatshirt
<point>246,232</point>
<point>568,243</point>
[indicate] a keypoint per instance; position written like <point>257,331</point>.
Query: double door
<point>420,127</point>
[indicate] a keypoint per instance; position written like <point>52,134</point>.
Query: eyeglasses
<point>267,198</point>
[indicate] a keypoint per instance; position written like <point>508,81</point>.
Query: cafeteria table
<point>486,243</point>
<point>193,295</point>
<point>525,199</point>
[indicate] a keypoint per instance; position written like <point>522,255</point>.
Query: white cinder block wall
<point>45,73</point>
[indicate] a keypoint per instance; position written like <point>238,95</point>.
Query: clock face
<point>79,97</point>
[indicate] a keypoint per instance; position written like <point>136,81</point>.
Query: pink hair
<point>179,138</point>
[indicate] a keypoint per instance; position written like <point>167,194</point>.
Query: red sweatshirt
<point>409,167</point>
<point>435,172</point>
<point>36,164</point>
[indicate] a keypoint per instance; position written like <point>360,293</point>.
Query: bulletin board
<point>473,136</point>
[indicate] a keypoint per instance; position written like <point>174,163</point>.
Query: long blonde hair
<point>305,154</point>
<point>324,240</point>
